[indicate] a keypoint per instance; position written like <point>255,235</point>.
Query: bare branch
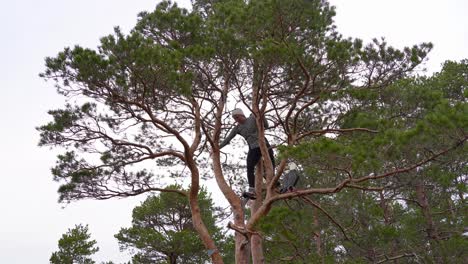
<point>316,205</point>
<point>407,255</point>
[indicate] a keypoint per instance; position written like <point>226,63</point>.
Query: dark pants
<point>253,157</point>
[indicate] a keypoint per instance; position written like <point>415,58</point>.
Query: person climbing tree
<point>247,128</point>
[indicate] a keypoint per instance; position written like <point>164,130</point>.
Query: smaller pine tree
<point>75,246</point>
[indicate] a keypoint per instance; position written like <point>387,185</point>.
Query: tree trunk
<point>242,252</point>
<point>241,249</point>
<point>256,241</point>
<point>424,203</point>
<point>256,246</point>
<point>318,238</point>
<point>198,224</point>
<point>388,218</point>
<point>172,258</point>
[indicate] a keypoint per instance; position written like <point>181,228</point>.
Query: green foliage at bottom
<point>75,247</point>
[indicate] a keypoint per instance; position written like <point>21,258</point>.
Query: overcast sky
<point>31,220</point>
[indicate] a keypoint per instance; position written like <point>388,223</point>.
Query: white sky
<point>31,220</point>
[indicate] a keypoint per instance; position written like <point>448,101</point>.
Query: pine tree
<point>75,246</point>
<point>160,96</point>
<point>162,230</point>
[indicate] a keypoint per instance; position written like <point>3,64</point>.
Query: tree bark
<point>241,250</point>
<point>318,238</point>
<point>198,224</point>
<point>172,258</point>
<point>424,203</point>
<point>256,241</point>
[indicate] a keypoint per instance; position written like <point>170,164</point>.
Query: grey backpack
<point>289,181</point>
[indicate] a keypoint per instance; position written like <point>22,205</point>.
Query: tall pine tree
<point>160,97</point>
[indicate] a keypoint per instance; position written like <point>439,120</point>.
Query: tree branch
<point>316,205</point>
<point>408,255</point>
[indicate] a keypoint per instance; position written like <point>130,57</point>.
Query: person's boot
<point>250,194</point>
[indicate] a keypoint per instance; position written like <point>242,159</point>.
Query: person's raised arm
<point>228,139</point>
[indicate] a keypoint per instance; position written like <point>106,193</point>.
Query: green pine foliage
<point>162,230</point>
<point>416,216</point>
<point>382,149</point>
<point>75,247</point>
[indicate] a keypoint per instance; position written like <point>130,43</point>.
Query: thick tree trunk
<point>256,241</point>
<point>204,234</point>
<point>256,246</point>
<point>172,258</point>
<point>242,245</point>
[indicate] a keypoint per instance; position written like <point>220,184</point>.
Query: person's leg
<point>272,157</point>
<point>253,156</point>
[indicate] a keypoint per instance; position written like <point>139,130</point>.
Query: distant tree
<point>75,247</point>
<point>162,230</point>
<point>160,97</point>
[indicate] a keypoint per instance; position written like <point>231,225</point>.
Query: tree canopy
<point>162,230</point>
<point>75,246</point>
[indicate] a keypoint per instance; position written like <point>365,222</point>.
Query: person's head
<point>238,115</point>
